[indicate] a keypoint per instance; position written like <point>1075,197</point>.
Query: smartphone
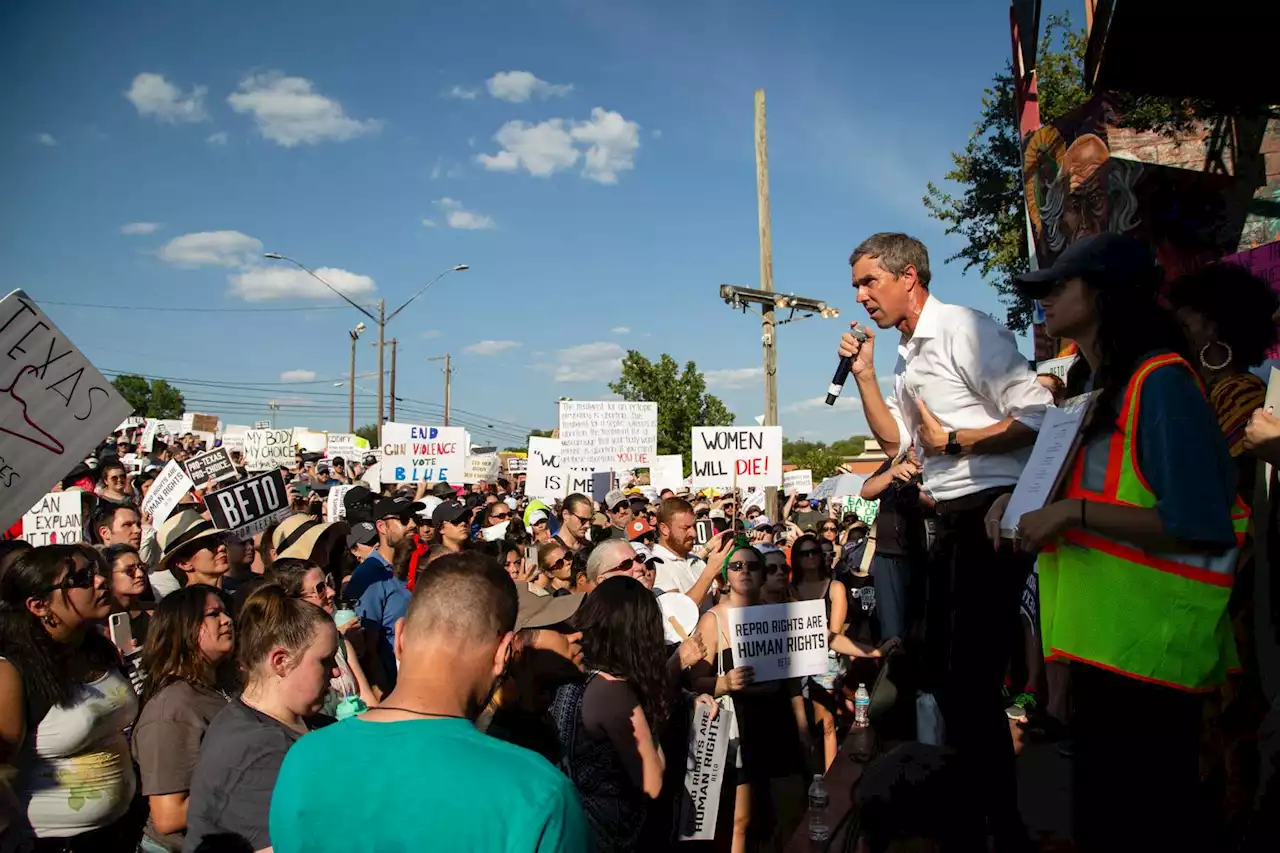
<point>120,632</point>
<point>531,554</point>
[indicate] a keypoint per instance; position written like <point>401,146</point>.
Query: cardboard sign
<point>250,506</point>
<point>482,467</point>
<point>667,472</point>
<point>54,406</point>
<point>703,530</point>
<point>262,424</point>
<point>213,466</point>
<point>268,449</point>
<point>748,457</point>
<point>336,508</point>
<point>310,442</point>
<point>548,478</point>
<point>704,773</point>
<point>55,520</point>
<point>204,423</point>
<point>169,487</point>
<point>780,640</point>
<point>798,482</point>
<point>423,454</point>
<point>346,446</point>
<point>610,435</point>
<point>517,465</point>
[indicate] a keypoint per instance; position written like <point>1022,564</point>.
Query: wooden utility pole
<point>393,379</point>
<point>382,376</point>
<point>351,391</point>
<point>448,380</point>
<point>767,327</point>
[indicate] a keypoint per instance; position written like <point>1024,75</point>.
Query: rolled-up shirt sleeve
<point>986,355</point>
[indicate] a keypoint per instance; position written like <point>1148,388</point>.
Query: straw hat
<point>181,529</point>
<point>297,536</point>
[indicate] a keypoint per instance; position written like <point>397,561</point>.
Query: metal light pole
<point>351,396</point>
<point>448,381</point>
<point>382,319</point>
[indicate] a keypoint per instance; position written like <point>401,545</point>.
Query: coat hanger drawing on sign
<point>52,445</point>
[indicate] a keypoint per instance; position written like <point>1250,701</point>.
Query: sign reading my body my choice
<point>268,449</point>
<point>422,454</point>
<point>780,640</point>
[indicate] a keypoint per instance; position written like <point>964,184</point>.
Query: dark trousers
<point>1135,784</point>
<point>892,576</point>
<point>972,627</point>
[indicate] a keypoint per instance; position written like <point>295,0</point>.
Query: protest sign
<point>703,530</point>
<point>131,422</point>
<point>54,406</point>
<point>780,640</point>
<point>55,520</point>
<point>412,453</point>
<point>667,472</point>
<point>798,482</point>
<point>233,437</point>
<point>250,506</point>
<point>346,446</point>
<point>548,479</point>
<point>1056,366</point>
<point>517,465</point>
<point>865,510</point>
<point>262,424</point>
<point>213,466</point>
<point>754,498</point>
<point>196,422</point>
<point>169,487</point>
<point>481,467</point>
<point>337,509</point>
<point>267,449</point>
<point>704,773</point>
<point>747,457</point>
<point>158,429</point>
<point>609,435</point>
<point>308,441</point>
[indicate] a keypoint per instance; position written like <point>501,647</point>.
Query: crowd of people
<point>466,668</point>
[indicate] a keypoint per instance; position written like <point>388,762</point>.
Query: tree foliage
<point>821,458</point>
<point>154,399</point>
<point>369,432</point>
<point>682,398</point>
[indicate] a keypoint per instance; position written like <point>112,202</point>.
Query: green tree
<point>854,445</point>
<point>166,401</point>
<point>682,398</point>
<point>135,390</point>
<point>369,432</point>
<point>533,433</point>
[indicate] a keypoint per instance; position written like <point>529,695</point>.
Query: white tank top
<point>75,772</point>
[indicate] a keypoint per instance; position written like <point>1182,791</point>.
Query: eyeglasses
<point>319,590</point>
<point>828,530</point>
<point>808,552</point>
<point>744,566</point>
<point>774,568</point>
<point>558,564</point>
<point>132,570</point>
<point>586,520</point>
<point>625,566</point>
<point>77,577</point>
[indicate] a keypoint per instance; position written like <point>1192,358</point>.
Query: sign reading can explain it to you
<point>250,506</point>
<point>55,520</point>
<point>780,640</point>
<point>609,435</point>
<point>268,449</point>
<point>422,454</point>
<point>749,457</point>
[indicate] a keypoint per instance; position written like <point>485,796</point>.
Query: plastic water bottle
<point>861,708</point>
<point>819,830</point>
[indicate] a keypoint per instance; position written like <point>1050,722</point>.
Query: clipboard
<point>1047,469</point>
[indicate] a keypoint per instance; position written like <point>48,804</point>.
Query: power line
<point>201,309</point>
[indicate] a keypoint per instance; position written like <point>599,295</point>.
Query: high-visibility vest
<point>1160,618</point>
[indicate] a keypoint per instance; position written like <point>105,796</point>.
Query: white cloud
<point>607,144</point>
<point>462,93</point>
<point>298,376</point>
<point>657,133</point>
<point>457,216</point>
<point>46,139</point>
<point>740,377</point>
<point>620,330</point>
<point>133,229</point>
<point>812,404</point>
<point>289,112</point>
<point>431,333</point>
<point>491,347</point>
<point>519,86</point>
<point>258,284</point>
<point>219,138</point>
<point>595,362</point>
<point>156,97</point>
<point>212,249</point>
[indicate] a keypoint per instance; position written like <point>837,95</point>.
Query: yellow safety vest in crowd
<point>1160,618</point>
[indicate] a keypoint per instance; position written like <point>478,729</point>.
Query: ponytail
<point>270,618</point>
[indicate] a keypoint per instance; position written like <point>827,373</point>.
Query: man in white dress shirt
<point>970,402</point>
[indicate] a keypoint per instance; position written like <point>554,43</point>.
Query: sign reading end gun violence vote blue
<point>54,406</point>
<point>412,453</point>
<point>250,506</point>
<point>780,640</point>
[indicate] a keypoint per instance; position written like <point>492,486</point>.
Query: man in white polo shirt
<point>680,570</point>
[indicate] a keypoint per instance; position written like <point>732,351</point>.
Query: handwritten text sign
<point>169,487</point>
<point>548,479</point>
<point>798,482</point>
<point>704,773</point>
<point>345,445</point>
<point>750,457</point>
<point>55,520</point>
<point>482,467</point>
<point>268,449</point>
<point>337,508</point>
<point>54,406</point>
<point>780,640</point>
<point>610,435</point>
<point>250,506</point>
<point>422,454</point>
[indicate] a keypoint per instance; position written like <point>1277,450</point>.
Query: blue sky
<point>592,162</point>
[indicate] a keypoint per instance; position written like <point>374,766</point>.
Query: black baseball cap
<point>443,490</point>
<point>1124,260</point>
<point>362,533</point>
<point>449,512</point>
<point>396,507</point>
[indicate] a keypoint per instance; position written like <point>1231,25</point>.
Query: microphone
<point>843,368</point>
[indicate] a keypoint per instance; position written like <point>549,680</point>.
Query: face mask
<point>498,531</point>
<point>586,534</point>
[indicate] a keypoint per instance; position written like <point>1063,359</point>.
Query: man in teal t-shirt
<point>413,773</point>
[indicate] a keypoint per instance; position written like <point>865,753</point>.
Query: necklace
<point>419,713</point>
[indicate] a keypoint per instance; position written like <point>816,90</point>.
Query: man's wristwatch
<point>953,444</point>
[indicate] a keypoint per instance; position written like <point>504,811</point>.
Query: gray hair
<point>895,252</point>
<point>599,560</point>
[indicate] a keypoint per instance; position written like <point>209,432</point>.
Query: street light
<point>382,319</point>
<point>351,397</point>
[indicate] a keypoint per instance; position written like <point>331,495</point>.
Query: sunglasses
<point>744,566</point>
<point>582,519</point>
<point>828,530</point>
<point>78,577</point>
<point>625,566</point>
<point>808,552</point>
<point>558,564</point>
<point>495,516</point>
<point>774,568</point>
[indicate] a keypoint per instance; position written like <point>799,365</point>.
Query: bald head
<point>606,557</point>
<point>465,597</point>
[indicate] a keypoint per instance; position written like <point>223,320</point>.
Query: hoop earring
<point>1204,362</point>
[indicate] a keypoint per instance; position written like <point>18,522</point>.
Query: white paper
<point>268,449</point>
<point>798,482</point>
<point>548,479</point>
<point>608,435</point>
<point>1056,366</point>
<point>337,509</point>
<point>750,457</point>
<point>481,467</point>
<point>667,472</point>
<point>780,640</point>
<point>1051,453</point>
<point>414,453</point>
<point>704,772</point>
<point>54,520</point>
<point>517,465</point>
<point>347,445</point>
<point>169,487</point>
<point>54,406</point>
